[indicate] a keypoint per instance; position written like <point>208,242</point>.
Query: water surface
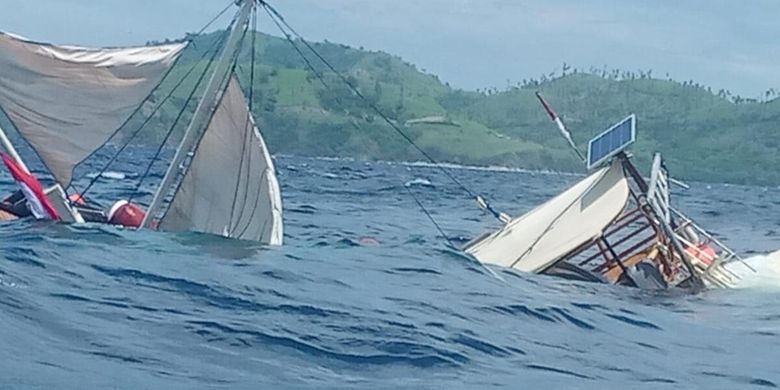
<point>366,294</point>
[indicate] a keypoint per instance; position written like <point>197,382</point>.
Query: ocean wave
<point>366,294</point>
<point>761,271</point>
<point>112,175</point>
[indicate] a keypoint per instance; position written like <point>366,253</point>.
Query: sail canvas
<point>539,238</point>
<point>230,186</point>
<point>68,101</point>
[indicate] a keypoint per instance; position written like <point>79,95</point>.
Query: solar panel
<point>611,142</point>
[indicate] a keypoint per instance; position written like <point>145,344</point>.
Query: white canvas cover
<point>67,101</point>
<point>536,240</point>
<point>205,200</point>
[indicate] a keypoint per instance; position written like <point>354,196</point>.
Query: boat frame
<point>641,235</point>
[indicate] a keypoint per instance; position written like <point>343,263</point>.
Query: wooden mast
<point>203,113</point>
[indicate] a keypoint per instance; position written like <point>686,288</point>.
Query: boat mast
<point>203,112</point>
<point>9,147</point>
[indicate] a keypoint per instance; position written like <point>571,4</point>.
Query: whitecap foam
<point>762,271</point>
<point>109,175</point>
<point>419,182</point>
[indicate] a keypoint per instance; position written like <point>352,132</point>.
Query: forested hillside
<point>703,135</point>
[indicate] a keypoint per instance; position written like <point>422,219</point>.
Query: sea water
<point>365,293</point>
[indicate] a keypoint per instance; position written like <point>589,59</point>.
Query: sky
<point>469,43</point>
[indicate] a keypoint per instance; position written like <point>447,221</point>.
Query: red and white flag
<point>558,122</point>
<point>40,206</point>
<point>555,118</point>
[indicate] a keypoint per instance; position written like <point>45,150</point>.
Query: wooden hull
<point>6,216</point>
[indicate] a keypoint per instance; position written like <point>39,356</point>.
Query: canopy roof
<point>579,215</point>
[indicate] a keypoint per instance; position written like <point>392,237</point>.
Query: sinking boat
<point>68,102</point>
<point>614,226</point>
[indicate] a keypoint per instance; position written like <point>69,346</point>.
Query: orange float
<point>126,214</point>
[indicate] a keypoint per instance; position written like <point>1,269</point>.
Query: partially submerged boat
<point>68,102</point>
<point>614,226</point>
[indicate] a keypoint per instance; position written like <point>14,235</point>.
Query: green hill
<point>704,136</point>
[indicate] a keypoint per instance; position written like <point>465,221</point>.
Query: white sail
<point>230,186</point>
<point>579,215</point>
<point>67,101</point>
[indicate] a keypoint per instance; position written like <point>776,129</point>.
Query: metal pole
<point>561,127</point>
<point>9,147</point>
<point>203,112</point>
<point>619,261</point>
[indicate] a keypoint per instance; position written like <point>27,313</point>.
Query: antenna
<point>555,118</point>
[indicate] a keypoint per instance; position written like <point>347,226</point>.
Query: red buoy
<point>126,214</point>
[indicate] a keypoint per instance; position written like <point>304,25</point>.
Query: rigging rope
<point>250,132</point>
<point>214,19</point>
<point>283,26</point>
<point>181,111</point>
<point>234,62</point>
<point>247,133</point>
<point>146,121</point>
<point>430,216</point>
<point>132,137</point>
